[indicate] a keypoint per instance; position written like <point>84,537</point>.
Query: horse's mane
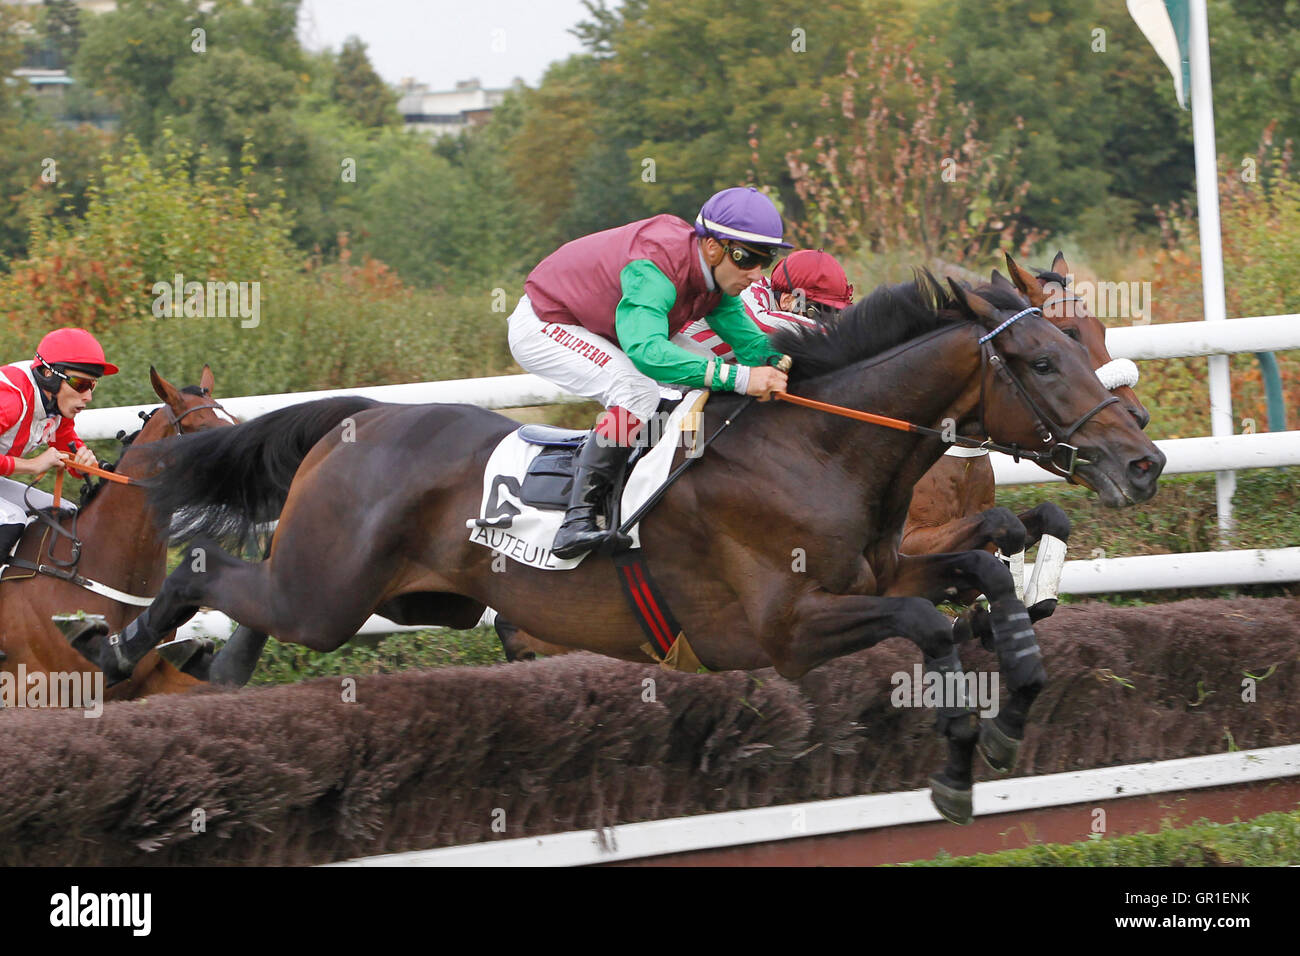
<point>91,489</point>
<point>889,316</point>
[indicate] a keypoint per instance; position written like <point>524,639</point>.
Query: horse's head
<point>1050,292</point>
<point>1040,394</point>
<point>189,409</point>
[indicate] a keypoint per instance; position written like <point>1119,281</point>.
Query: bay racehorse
<point>779,549</point>
<point>120,546</point>
<point>953,506</point>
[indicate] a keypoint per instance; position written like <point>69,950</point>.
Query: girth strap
<point>81,580</point>
<point>647,602</point>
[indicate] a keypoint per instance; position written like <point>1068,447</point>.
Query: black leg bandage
<point>1016,644</point>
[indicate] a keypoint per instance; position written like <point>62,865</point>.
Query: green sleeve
<point>730,320</point>
<point>641,321</point>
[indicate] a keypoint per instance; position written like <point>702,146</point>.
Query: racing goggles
<point>748,257</point>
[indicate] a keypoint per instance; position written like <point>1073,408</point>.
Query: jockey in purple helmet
<point>597,315</point>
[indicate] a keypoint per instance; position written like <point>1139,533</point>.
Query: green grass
<point>1270,840</point>
<point>412,650</point>
<point>1180,518</point>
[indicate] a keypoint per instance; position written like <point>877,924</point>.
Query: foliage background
<point>232,164</point>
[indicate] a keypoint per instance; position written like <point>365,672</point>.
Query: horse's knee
<point>927,627</point>
<point>990,575</point>
<point>1047,518</point>
<point>514,642</point>
<point>1005,530</point>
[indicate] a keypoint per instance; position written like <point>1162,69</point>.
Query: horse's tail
<point>224,482</point>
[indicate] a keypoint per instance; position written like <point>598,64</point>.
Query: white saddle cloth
<point>523,533</point>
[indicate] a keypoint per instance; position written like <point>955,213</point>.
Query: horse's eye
<point>1042,366</point>
<point>1072,333</point>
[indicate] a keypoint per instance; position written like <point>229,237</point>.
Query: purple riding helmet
<point>741,214</point>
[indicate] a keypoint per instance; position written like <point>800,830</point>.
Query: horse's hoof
<point>80,630</point>
<point>998,750</point>
<point>953,803</point>
<point>179,653</point>
<point>83,633</point>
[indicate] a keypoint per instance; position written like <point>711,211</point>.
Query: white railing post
<point>1207,213</point>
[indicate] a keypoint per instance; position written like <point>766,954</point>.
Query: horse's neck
<point>933,381</point>
<point>124,544</point>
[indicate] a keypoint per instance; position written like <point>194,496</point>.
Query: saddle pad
<point>515,529</point>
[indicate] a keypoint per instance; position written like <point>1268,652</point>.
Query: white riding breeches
<point>580,361</point>
<point>12,510</point>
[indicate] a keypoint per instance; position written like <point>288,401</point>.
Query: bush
<point>1261,232</point>
<point>908,172</point>
<point>319,325</point>
<point>144,224</point>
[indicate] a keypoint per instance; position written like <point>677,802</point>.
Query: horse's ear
<point>1059,265</point>
<point>1000,282</point>
<point>162,388</point>
<point>207,380</point>
<point>1025,281</point>
<point>972,304</point>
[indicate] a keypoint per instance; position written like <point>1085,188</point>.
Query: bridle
<point>175,420</point>
<point>1061,456</point>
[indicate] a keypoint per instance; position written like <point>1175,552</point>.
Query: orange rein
<point>89,470</point>
<point>847,412</point>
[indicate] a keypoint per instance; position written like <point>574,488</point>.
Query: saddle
<point>549,479</point>
<point>529,476</point>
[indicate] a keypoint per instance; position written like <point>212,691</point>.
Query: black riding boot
<point>597,464</point>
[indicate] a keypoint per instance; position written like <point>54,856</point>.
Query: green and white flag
<point>1167,24</point>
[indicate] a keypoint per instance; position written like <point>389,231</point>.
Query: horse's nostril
<point>1144,471</point>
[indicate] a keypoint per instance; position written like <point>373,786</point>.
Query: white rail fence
<point>1105,575</point>
<point>713,831</point>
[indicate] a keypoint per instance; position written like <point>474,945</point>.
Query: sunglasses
<point>746,258</point>
<point>78,383</point>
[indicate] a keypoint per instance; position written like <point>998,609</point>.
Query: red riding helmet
<point>818,273</point>
<point>75,347</point>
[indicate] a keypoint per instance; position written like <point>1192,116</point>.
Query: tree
<point>1099,122</point>
<point>61,26</point>
<point>132,55</point>
<point>360,91</point>
<point>1254,49</point>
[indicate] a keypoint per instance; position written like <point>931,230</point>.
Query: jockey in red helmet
<point>597,316</point>
<point>807,289</point>
<point>38,402</point>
